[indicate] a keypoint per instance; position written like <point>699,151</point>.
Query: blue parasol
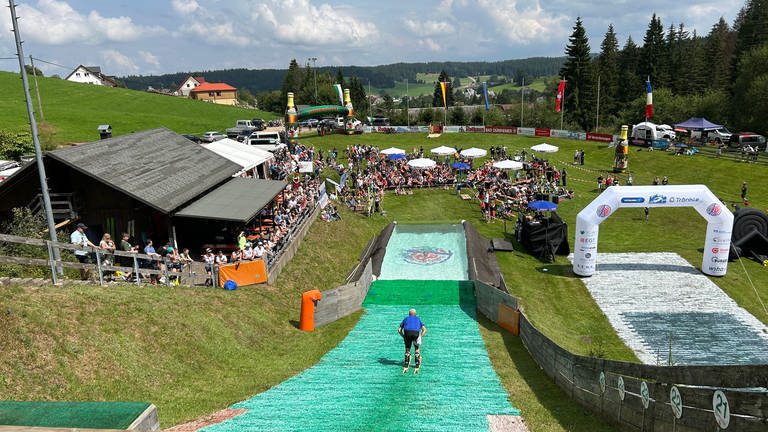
<point>460,165</point>
<point>542,205</point>
<point>396,156</point>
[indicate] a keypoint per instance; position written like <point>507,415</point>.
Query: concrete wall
<point>579,377</point>
<point>344,300</point>
<point>488,299</point>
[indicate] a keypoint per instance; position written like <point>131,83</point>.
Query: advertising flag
<point>649,100</point>
<point>340,93</point>
<point>443,84</point>
<point>485,94</point>
<point>560,92</point>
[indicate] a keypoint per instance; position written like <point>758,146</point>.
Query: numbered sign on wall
<point>721,409</point>
<point>620,386</point>
<point>676,402</point>
<point>645,395</point>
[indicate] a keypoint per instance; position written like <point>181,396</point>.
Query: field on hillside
<point>192,351</point>
<point>73,111</point>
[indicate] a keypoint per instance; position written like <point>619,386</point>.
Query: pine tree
<point>437,95</point>
<point>578,73</point>
<point>608,71</point>
<point>751,27</point>
<point>340,78</point>
<point>749,103</point>
<point>719,51</point>
<point>654,54</point>
<point>629,63</point>
<point>293,81</point>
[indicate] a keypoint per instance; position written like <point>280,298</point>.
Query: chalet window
<point>211,94</point>
<point>77,74</point>
<point>187,84</point>
<point>87,74</point>
<point>218,93</point>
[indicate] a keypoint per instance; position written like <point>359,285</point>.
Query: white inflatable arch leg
<point>719,221</point>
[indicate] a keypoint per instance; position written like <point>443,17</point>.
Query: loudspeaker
<point>556,199</point>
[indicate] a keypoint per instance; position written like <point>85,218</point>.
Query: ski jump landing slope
<point>359,385</point>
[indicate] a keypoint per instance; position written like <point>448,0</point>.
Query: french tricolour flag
<point>649,100</point>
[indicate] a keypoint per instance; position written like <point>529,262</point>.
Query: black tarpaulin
<point>546,237</point>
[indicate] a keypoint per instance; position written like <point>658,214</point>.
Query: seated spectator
<point>220,258</point>
<point>248,253</point>
<point>236,256</point>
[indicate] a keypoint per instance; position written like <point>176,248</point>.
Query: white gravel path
<point>649,296</point>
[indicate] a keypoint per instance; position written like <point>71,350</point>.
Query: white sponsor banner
<point>719,221</point>
<point>526,131</point>
<point>453,129</point>
<point>306,167</point>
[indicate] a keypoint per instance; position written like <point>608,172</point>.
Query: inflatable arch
<point>719,221</point>
<point>294,115</point>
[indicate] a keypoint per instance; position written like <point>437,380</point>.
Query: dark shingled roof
<point>157,167</point>
<point>239,200</point>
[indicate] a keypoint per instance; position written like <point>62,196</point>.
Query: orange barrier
<point>244,273</point>
<point>509,319</point>
<point>307,318</point>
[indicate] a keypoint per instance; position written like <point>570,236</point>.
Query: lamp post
<point>313,60</point>
<point>407,105</point>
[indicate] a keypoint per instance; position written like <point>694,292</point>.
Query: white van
<point>719,136</point>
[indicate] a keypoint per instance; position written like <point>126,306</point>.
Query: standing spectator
<point>241,240</point>
<point>151,263</point>
<point>656,181</point>
<point>600,183</point>
<point>221,258</point>
<point>236,256</point>
<point>108,248</point>
<point>209,259</point>
<point>564,177</point>
<point>79,238</point>
<point>630,180</point>
<point>248,251</point>
<point>126,246</point>
<point>743,191</point>
<point>185,258</point>
<point>665,181</point>
<point>646,210</point>
<point>581,157</point>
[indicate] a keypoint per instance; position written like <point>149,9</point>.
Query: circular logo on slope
<point>714,209</point>
<point>426,255</point>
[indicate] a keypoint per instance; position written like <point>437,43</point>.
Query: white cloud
<point>429,28</point>
<point>301,22</point>
<point>219,33</point>
<point>185,7</point>
<point>524,25</point>
<point>149,58</point>
<point>56,23</point>
<point>115,60</point>
<point>429,44</point>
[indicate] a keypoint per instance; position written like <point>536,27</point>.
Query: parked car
<point>193,138</point>
<point>259,124</point>
<point>719,136</point>
<point>741,139</point>
<point>666,131</point>
<point>212,136</point>
<point>7,168</point>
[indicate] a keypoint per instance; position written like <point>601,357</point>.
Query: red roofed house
<point>190,83</point>
<point>219,93</point>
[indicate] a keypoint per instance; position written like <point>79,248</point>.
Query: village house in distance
<point>91,75</point>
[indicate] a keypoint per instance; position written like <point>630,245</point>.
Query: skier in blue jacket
<point>412,329</point>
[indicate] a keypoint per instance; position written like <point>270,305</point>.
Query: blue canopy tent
<point>697,123</point>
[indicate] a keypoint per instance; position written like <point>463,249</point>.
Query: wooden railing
<point>144,268</point>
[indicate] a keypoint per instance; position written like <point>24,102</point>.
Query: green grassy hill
<point>192,351</point>
<point>73,111</point>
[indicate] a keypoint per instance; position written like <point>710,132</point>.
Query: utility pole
<point>522,101</point>
<point>407,104</point>
<point>597,114</point>
<point>37,89</point>
<point>313,60</point>
<point>36,141</point>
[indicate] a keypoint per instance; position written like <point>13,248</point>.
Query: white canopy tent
<point>249,157</point>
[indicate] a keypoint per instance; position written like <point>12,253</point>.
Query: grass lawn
<point>192,351</point>
<point>73,111</point>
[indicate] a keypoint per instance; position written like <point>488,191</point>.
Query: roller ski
<point>419,359</point>
<point>406,363</point>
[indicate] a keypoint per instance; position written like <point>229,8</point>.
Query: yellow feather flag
<point>442,87</point>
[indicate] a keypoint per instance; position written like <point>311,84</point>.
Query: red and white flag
<point>649,100</point>
<point>560,93</point>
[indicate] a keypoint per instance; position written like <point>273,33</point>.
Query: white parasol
<point>392,150</point>
<point>508,164</point>
<point>443,151</point>
<point>422,163</point>
<point>473,152</point>
<point>545,148</point>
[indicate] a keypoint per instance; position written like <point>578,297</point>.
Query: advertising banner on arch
<point>719,221</point>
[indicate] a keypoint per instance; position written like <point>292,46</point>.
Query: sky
<point>149,37</point>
